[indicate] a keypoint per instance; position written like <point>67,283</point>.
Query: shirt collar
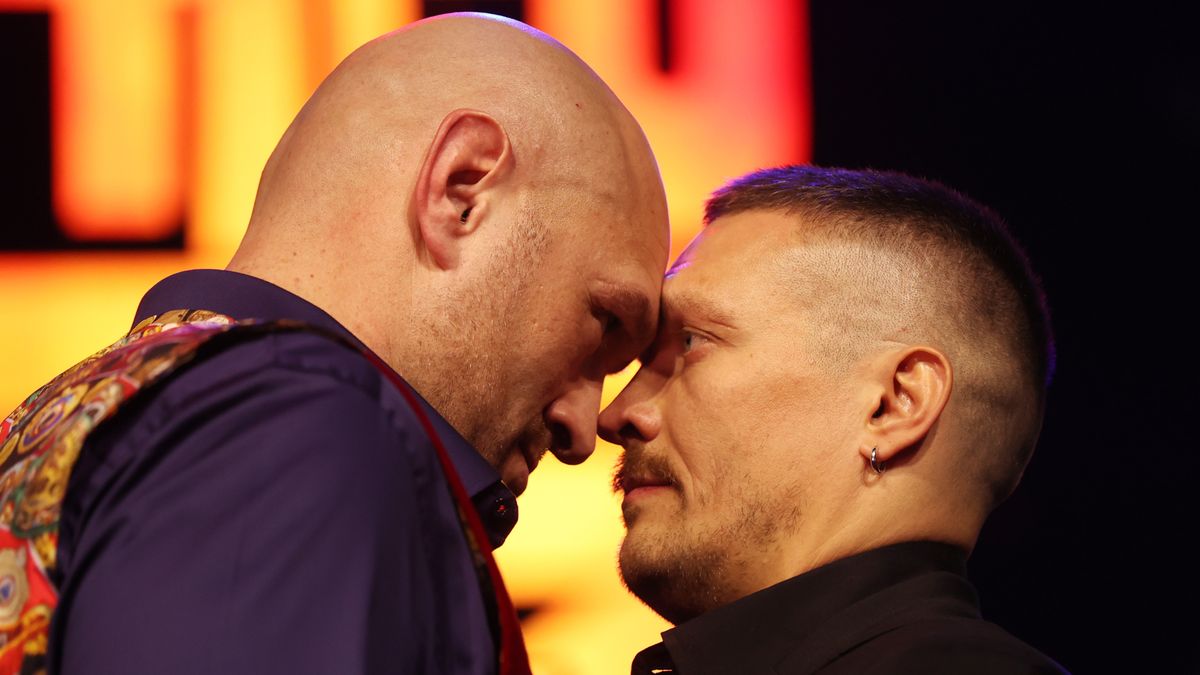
<point>754,633</point>
<point>242,296</point>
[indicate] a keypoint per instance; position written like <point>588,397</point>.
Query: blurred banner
<point>163,112</point>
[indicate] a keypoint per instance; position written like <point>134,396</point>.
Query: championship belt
<point>42,439</point>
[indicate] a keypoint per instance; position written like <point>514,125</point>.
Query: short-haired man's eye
<point>691,341</point>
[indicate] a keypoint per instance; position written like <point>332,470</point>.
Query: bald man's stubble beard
<point>466,351</point>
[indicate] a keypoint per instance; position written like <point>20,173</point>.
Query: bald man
<point>849,376</point>
<point>300,464</point>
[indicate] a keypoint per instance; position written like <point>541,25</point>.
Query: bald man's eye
<point>611,323</point>
<point>610,331</point>
<point>613,349</point>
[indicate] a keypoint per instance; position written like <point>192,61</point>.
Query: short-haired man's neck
<point>908,509</point>
<point>894,515</point>
<point>912,500</point>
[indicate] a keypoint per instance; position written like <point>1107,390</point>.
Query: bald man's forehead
<point>611,176</point>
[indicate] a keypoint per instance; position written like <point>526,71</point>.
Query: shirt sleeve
<point>264,526</point>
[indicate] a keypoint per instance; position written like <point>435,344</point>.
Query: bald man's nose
<point>572,421</point>
<point>632,415</point>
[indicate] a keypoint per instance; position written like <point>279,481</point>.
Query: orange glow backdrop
<point>165,111</point>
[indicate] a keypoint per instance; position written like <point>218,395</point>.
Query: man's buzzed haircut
<point>990,280</point>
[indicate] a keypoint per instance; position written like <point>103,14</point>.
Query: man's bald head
<point>470,199</point>
<point>908,260</point>
<point>374,116</point>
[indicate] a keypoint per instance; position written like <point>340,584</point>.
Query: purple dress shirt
<point>273,508</point>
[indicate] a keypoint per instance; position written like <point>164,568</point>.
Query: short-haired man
<point>252,487</point>
<point>849,375</point>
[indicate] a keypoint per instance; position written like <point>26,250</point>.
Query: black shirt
<point>905,608</point>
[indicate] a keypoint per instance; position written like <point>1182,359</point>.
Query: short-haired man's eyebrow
<point>694,306</point>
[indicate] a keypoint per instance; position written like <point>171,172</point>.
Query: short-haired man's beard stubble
<point>691,563</point>
<point>469,347</point>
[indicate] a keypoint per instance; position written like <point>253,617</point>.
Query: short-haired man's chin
<point>664,589</point>
<point>653,592</point>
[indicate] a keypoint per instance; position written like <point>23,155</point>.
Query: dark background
<point>1080,125</point>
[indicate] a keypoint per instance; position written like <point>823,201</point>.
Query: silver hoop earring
<point>878,466</point>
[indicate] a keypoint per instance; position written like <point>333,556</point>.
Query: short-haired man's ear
<point>918,386</point>
<point>470,153</point>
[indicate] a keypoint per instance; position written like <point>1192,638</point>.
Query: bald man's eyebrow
<point>633,309</point>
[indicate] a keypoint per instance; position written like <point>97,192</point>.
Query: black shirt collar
<point>242,296</point>
<point>754,633</point>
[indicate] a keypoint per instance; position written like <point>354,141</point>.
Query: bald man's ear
<point>917,383</point>
<point>470,154</point>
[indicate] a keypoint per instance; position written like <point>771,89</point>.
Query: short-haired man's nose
<point>571,419</point>
<point>632,415</point>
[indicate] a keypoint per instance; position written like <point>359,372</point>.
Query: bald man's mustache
<point>534,441</point>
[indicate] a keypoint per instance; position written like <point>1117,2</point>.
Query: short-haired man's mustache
<point>637,468</point>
